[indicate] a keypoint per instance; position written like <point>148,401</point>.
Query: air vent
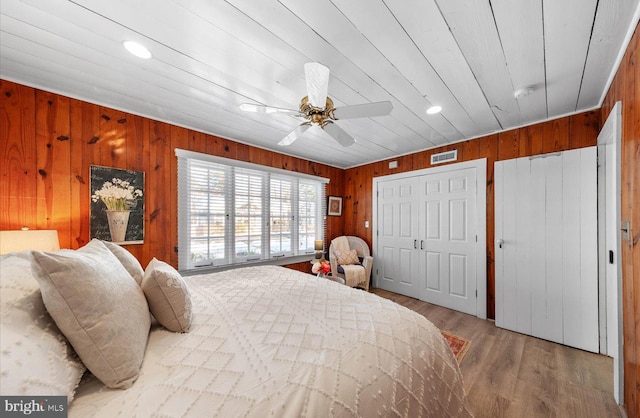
<point>444,157</point>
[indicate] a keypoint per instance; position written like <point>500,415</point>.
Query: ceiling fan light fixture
<point>318,109</point>
<point>137,49</point>
<point>434,110</point>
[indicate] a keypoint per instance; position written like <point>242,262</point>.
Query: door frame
<point>481,214</point>
<point>610,137</point>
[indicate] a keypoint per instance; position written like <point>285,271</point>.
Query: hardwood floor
<point>507,374</point>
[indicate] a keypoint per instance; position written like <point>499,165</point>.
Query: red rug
<point>458,345</point>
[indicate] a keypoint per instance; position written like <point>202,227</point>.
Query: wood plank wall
<point>48,142</point>
<point>626,88</point>
<point>572,132</point>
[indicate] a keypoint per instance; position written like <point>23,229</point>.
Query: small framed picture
<point>334,206</point>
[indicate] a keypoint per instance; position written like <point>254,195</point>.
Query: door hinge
<point>476,293</point>
<point>476,238</point>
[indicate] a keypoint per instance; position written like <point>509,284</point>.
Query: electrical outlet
<point>366,224</point>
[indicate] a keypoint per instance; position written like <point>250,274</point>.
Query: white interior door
<point>546,249</point>
<point>396,258</point>
<point>580,249</point>
<point>609,239</point>
<point>447,239</point>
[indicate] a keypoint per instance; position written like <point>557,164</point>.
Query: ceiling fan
<point>318,109</point>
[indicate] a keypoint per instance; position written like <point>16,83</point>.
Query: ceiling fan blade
<point>363,110</point>
<point>250,107</point>
<point>317,76</point>
<point>295,134</point>
<point>338,134</point>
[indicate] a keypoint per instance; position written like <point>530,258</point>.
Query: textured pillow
<point>347,257</point>
<point>130,263</point>
<point>168,296</point>
<point>102,312</point>
<point>35,358</point>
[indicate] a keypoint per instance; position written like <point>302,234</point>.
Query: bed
<point>270,341</point>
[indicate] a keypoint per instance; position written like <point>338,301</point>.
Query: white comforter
<point>273,342</point>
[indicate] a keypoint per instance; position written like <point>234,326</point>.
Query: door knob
<point>499,242</point>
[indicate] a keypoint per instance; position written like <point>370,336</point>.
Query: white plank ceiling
<point>210,56</point>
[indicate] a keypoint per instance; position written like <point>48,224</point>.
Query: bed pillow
<point>35,358</point>
<point>168,296</point>
<point>130,263</point>
<point>101,311</point>
<point>345,258</point>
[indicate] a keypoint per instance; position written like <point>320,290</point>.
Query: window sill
<point>280,261</point>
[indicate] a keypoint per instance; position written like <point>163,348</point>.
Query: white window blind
<point>233,212</point>
<point>310,214</point>
<point>281,219</point>
<point>248,216</point>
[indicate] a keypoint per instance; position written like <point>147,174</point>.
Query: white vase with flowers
<point>118,196</point>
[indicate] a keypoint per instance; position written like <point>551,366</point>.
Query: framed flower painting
<point>117,205</point>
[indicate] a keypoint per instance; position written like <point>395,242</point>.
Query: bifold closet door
<point>546,247</point>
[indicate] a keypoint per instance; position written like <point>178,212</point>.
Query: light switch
<point>366,224</point>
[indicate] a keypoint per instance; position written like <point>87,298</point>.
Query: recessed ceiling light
<point>434,109</point>
<point>525,91</point>
<point>248,107</point>
<point>137,49</point>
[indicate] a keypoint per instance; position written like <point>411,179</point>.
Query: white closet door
<point>447,239</point>
<point>397,237</point>
<point>515,294</point>
<point>580,246</point>
<point>546,248</point>
<point>430,235</point>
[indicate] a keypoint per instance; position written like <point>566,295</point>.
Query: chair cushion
<point>347,257</point>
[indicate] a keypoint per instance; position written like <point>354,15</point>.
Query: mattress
<point>270,341</point>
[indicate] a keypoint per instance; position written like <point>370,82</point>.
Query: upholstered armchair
<point>355,269</point>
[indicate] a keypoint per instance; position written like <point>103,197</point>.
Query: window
<point>232,212</point>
